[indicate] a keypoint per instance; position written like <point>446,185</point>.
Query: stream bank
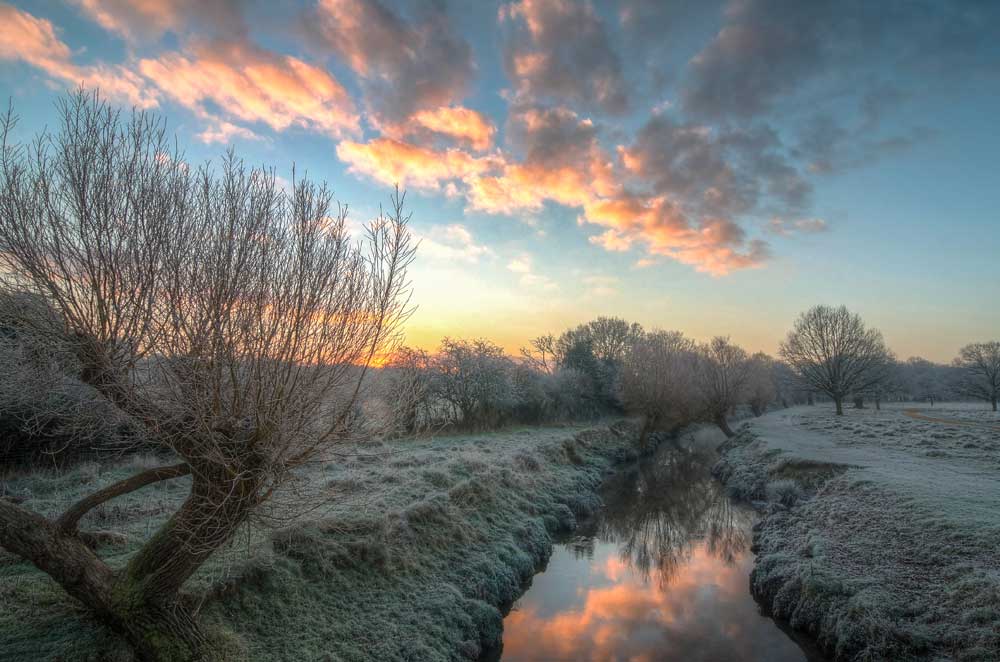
<point>879,531</point>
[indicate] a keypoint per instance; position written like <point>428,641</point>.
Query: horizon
<point>716,171</point>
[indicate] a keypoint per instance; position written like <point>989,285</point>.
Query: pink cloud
<point>391,162</point>
<point>254,85</point>
<point>460,124</point>
<point>34,41</point>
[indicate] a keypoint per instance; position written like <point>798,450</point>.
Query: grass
<point>417,548</point>
<point>888,549</point>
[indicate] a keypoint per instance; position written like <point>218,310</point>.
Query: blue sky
<point>713,170</point>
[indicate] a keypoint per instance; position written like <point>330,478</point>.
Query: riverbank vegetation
<point>880,528</point>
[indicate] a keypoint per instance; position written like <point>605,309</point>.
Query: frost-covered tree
<point>832,350</point>
<point>406,387</point>
<point>980,365</point>
<point>475,379</point>
<point>761,388</point>
<point>251,310</point>
<point>658,380</point>
<point>723,374</point>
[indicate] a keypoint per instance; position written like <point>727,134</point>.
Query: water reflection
<point>660,574</point>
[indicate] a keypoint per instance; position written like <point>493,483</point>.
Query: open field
<point>417,545</point>
<point>882,527</point>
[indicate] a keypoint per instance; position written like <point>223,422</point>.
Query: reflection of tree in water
<point>664,507</point>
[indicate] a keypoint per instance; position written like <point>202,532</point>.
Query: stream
<point>660,573</point>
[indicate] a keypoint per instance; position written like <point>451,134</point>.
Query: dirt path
<point>915,413</point>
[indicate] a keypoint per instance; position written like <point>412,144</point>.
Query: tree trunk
<point>994,404</point>
<point>859,402</point>
<point>810,400</point>
<point>724,426</point>
<point>878,405</point>
<point>840,406</point>
<point>142,601</point>
<point>157,631</point>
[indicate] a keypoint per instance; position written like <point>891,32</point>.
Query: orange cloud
<point>255,85</point>
<point>34,41</point>
<point>393,161</point>
<point>715,246</point>
<point>461,124</point>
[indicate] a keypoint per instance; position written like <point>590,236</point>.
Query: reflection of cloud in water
<point>661,575</point>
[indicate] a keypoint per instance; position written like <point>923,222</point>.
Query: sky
<point>714,168</point>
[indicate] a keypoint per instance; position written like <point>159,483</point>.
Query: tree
<point>925,380</point>
<point>761,387</point>
<point>658,380</point>
<point>980,365</point>
<point>407,389</point>
<point>541,355</point>
<point>723,374</point>
<point>597,350</point>
<point>831,350</point>
<point>254,315</point>
<point>475,378</point>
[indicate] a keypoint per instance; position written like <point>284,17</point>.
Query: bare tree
<point>611,338</point>
<point>724,372</point>
<point>476,380</point>
<point>831,350</point>
<point>980,365</point>
<point>542,355</point>
<point>253,313</point>
<point>407,389</point>
<point>658,380</point>
<point>921,379</point>
<point>761,390</point>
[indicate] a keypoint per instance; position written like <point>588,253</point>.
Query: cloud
<point>715,246</point>
<point>715,172</point>
<point>828,146</point>
<point>392,161</point>
<point>785,228</point>
<point>523,266</point>
<point>251,84</point>
<point>770,50</point>
<point>601,286</point>
<point>451,243</point>
<point>404,66</point>
<point>137,20</point>
<point>32,40</point>
<point>562,161</point>
<point>462,125</point>
<point>560,50</point>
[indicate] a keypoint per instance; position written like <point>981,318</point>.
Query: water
<point>661,573</point>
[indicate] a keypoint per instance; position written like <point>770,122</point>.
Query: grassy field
<point>882,527</point>
<point>412,549</point>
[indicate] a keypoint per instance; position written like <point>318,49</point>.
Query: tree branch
<point>69,519</point>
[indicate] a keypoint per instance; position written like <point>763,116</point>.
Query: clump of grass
<point>786,492</point>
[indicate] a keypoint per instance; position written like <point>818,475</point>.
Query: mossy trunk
<point>840,406</point>
<point>142,602</point>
